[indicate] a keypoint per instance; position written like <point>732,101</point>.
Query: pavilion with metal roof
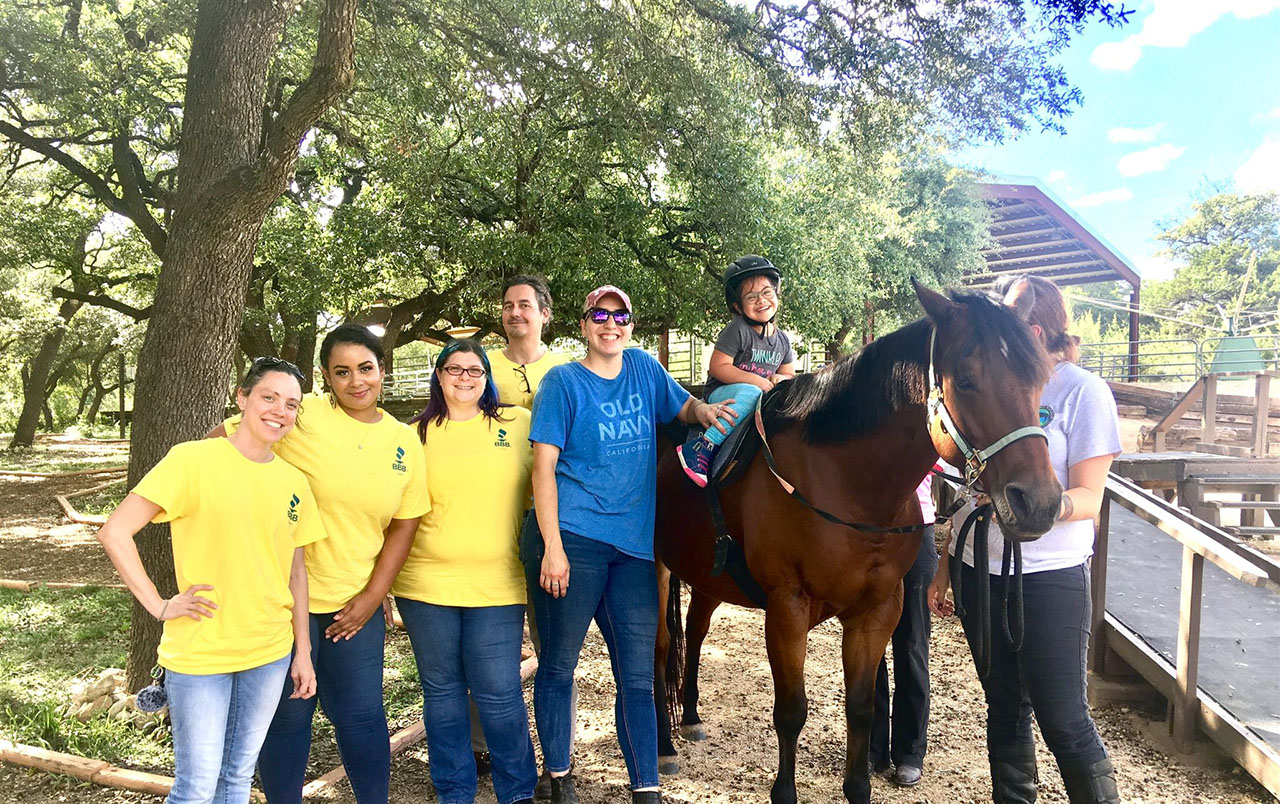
<point>1034,232</point>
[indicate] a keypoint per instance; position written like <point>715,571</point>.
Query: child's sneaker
<point>695,457</point>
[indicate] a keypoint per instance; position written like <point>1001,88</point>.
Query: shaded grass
<point>50,639</point>
<point>54,456</point>
<point>102,503</point>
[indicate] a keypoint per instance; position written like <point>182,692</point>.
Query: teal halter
<point>975,460</point>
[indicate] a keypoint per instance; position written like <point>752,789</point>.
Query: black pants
<point>1047,676</point>
<point>908,718</point>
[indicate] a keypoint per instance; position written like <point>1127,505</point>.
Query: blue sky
<point>1185,96</point>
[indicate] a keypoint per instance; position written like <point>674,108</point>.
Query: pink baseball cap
<point>602,291</point>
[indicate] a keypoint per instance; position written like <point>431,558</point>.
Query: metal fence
<point>1175,359</point>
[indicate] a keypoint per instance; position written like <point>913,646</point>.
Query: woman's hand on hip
<point>188,604</point>
<point>554,578</point>
<point>348,622</point>
<point>303,674</point>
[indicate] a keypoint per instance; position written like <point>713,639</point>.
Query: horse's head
<point>988,369</point>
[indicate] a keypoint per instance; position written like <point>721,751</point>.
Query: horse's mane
<point>858,393</point>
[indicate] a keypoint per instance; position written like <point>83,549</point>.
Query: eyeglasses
<point>523,374</point>
<point>768,294</point>
<point>268,363</point>
<point>458,371</point>
<point>599,315</point>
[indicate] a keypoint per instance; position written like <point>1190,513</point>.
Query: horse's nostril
<point>1019,504</point>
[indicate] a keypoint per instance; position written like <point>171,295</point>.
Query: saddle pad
<point>735,453</point>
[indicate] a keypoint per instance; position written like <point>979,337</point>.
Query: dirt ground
<point>738,761</point>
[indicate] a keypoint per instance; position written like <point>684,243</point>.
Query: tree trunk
<point>35,380</point>
<point>230,172</point>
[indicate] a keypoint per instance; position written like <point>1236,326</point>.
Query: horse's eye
<point>963,383</point>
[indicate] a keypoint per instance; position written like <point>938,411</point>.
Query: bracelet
<point>1066,507</point>
<point>163,609</point>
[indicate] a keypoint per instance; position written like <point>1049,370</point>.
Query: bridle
<point>975,460</point>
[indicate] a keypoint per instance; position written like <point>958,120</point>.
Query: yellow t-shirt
<point>363,476</point>
<point>514,389</point>
<point>466,552</point>
<point>235,524</point>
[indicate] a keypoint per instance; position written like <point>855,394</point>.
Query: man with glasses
<point>517,369</point>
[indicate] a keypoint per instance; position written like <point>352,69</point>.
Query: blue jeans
<point>1047,676</point>
<point>349,687</point>
<point>620,592</point>
<point>744,396</point>
<point>219,723</point>
<point>457,649</point>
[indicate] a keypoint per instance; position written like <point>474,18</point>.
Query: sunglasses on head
<point>266,363</point>
<point>599,315</point>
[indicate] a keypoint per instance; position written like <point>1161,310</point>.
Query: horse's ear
<point>1021,297</point>
<point>936,306</point>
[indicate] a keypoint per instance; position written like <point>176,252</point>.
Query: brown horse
<point>856,439</point>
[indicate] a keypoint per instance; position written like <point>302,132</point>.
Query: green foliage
<point>1217,243</point>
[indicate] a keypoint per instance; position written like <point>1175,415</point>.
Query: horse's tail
<point>675,650</point>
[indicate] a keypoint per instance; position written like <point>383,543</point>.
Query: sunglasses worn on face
<point>458,371</point>
<point>599,315</point>
<point>276,364</point>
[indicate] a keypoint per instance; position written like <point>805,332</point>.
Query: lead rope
<point>979,523</point>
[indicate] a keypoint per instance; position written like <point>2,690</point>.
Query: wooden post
<point>1186,703</point>
<point>1135,299</point>
<point>1209,429</point>
<point>664,349</point>
<point>120,378</point>
<point>1261,412</point>
<point>1098,588</point>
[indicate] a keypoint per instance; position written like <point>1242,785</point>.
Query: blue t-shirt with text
<point>607,432</point>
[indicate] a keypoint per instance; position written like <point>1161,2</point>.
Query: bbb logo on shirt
<point>502,439</point>
<point>293,508</point>
<point>398,463</point>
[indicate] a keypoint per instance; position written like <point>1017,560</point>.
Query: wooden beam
<point>1261,407</point>
<point>1209,416</point>
<point>1098,590</point>
<point>1186,701</point>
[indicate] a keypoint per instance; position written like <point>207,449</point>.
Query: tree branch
<point>101,190</point>
<point>138,314</point>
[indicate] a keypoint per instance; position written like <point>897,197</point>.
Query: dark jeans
<point>1047,676</point>
<point>620,592</point>
<point>456,649</point>
<point>349,687</point>
<point>909,721</point>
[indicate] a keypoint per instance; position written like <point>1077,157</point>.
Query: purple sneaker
<point>695,457</point>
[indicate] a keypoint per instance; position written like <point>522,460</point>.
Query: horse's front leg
<point>865,637</point>
<point>786,630</point>
<point>701,607</point>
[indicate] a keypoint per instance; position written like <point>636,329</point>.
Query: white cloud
<point>1115,196</point>
<point>1056,176</point>
<point>1148,160</point>
<point>1261,171</point>
<point>1155,266</point>
<point>1130,135</point>
<point>1172,23</point>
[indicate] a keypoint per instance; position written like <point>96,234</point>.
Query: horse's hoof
<point>694,732</point>
<point>668,766</point>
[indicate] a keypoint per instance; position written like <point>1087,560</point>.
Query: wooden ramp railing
<point>1205,390</point>
<point>1177,681</point>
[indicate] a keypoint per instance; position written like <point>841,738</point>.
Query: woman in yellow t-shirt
<point>367,473</point>
<point>239,518</point>
<point>461,592</point>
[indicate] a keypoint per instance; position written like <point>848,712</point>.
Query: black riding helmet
<point>745,268</point>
